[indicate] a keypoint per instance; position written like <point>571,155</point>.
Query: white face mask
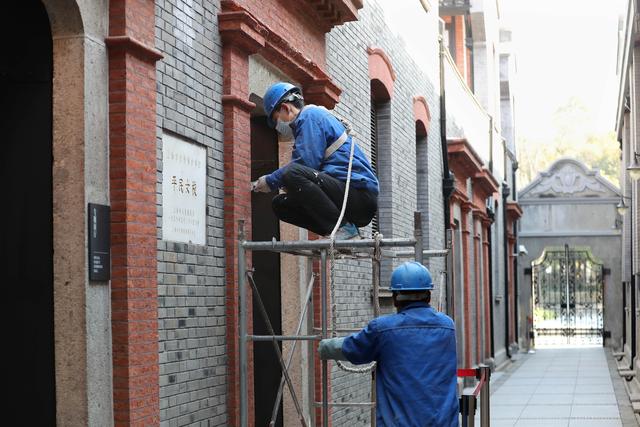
<point>284,129</point>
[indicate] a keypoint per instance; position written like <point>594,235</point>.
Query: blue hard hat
<point>411,276</point>
<point>274,96</point>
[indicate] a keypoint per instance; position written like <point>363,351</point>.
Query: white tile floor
<point>557,387</point>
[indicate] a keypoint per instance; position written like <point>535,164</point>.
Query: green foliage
<point>571,139</point>
<point>543,314</point>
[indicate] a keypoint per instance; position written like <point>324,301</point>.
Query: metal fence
<point>469,401</point>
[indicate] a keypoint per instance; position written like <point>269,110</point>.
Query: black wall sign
<point>99,242</point>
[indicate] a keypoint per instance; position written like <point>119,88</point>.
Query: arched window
<point>422,119</point>
<point>382,77</point>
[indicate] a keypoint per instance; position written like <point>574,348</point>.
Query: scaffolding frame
<point>364,248</point>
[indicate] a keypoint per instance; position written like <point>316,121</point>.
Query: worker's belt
<point>336,144</point>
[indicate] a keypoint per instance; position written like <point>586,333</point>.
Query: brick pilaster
<point>512,291</point>
<point>317,323</point>
<point>132,132</point>
<point>479,297</point>
<point>466,263</point>
<point>486,232</point>
<point>237,202</point>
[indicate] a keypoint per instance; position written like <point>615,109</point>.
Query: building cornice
<point>239,28</point>
<point>514,211</point>
<point>336,12</point>
<point>463,160</point>
<point>133,46</point>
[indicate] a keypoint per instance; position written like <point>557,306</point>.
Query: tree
<point>572,139</point>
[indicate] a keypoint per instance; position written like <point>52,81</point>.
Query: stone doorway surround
<point>82,319</point>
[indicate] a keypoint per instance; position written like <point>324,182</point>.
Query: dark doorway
<point>26,257</point>
<point>265,226</point>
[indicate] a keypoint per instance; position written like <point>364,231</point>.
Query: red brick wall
<point>237,201</point>
<point>132,132</point>
<point>317,323</point>
<point>466,265</point>
<point>461,50</point>
<point>478,291</point>
<point>295,22</point>
<point>487,306</point>
<point>299,31</point>
<point>465,164</point>
<point>512,296</point>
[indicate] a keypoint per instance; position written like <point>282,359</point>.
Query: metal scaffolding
<point>324,250</point>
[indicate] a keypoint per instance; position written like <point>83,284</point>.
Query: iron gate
<point>568,297</point>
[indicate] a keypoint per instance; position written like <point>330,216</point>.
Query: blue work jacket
<point>315,129</point>
<point>416,373</point>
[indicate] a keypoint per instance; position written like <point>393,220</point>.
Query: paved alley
<point>567,387</point>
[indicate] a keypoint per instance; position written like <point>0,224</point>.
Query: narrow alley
<point>211,206</point>
<point>563,387</point>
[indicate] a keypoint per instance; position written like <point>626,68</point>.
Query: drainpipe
<point>492,215</point>
<point>624,313</point>
<point>447,177</point>
<point>505,194</point>
<point>447,180</point>
<point>633,284</point>
<point>514,168</point>
<point>634,323</point>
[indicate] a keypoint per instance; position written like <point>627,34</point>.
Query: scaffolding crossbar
<point>293,245</point>
<point>284,337</point>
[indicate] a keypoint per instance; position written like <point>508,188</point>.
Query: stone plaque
<point>99,242</point>
<point>184,184</point>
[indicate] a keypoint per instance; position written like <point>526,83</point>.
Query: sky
<point>565,49</point>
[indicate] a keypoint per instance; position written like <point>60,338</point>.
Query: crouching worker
<point>415,351</point>
<point>314,181</point>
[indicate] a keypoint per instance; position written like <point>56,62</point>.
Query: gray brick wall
<point>191,277</point>
<point>347,61</point>
<point>191,292</point>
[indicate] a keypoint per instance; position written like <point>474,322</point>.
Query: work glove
<point>331,349</point>
<point>260,185</point>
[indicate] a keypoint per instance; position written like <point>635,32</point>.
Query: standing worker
<point>415,351</point>
<point>314,181</point>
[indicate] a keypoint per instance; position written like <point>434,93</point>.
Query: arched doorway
<point>27,238</point>
<point>568,290</point>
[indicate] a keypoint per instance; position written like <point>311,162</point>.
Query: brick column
<point>466,265</point>
<point>132,142</point>
<point>477,260</point>
<point>237,202</point>
<point>486,232</point>
<point>512,290</point>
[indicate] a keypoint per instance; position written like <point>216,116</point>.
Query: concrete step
<point>636,407</point>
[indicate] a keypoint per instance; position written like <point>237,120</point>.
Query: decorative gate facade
<point>568,297</point>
